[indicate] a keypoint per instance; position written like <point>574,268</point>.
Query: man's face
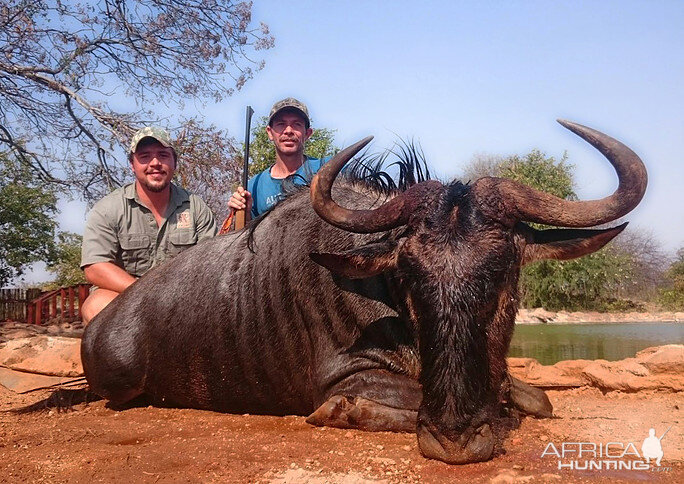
<point>288,132</point>
<point>153,165</point>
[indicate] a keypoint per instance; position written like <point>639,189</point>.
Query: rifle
<point>241,216</point>
<point>668,429</point>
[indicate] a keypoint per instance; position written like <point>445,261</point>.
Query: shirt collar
<point>178,195</point>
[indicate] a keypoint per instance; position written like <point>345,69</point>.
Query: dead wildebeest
<point>403,323</point>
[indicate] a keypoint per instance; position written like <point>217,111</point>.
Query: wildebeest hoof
<point>528,399</point>
<point>363,414</point>
<point>473,445</point>
<point>333,413</point>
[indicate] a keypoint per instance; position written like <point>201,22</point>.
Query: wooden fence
<point>14,303</point>
<point>62,305</point>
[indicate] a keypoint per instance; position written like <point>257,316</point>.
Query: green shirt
<point>120,229</point>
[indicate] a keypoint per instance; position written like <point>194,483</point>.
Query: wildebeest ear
<point>366,261</point>
<point>563,244</point>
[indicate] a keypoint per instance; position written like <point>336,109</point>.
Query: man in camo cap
<point>289,127</point>
<point>140,225</point>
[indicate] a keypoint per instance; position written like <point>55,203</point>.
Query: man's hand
<point>241,199</point>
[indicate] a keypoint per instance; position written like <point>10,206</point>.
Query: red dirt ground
<point>93,443</point>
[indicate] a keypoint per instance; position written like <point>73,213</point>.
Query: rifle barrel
<point>245,167</point>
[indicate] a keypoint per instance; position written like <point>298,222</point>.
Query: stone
<point>19,333</point>
<point>663,359</point>
<point>562,374</point>
<point>510,476</point>
<point>659,368</point>
<point>629,376</point>
<point>20,381</point>
<point>43,354</point>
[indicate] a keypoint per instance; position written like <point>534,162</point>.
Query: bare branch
<point>65,65</point>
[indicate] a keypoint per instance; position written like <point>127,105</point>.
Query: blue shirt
<point>267,191</point>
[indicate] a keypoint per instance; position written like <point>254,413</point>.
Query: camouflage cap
<point>155,132</point>
<point>290,103</point>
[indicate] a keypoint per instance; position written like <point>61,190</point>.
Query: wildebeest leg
<point>374,400</point>
<point>359,413</point>
<point>528,399</point>
<point>522,396</point>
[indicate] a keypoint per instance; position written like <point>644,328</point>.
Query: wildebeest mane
<point>372,169</point>
<point>369,170</point>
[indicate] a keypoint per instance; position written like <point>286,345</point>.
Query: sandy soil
<point>94,443</point>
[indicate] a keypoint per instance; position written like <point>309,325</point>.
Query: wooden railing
<point>61,305</point>
<point>14,303</point>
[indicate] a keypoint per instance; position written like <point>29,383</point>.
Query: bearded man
<point>140,225</point>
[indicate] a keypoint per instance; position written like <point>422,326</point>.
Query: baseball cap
<point>290,103</point>
<point>155,132</point>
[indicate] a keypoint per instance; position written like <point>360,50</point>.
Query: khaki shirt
<point>120,229</point>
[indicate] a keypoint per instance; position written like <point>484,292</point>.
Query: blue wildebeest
<point>402,323</point>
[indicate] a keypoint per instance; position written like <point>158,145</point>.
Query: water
<point>550,343</point>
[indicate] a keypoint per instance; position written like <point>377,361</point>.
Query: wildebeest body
<point>224,328</point>
<point>402,323</point>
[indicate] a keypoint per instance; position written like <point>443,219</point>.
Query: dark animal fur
<point>268,331</point>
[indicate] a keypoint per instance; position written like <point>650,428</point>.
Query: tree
<point>68,67</point>
<point>27,220</point>
<point>66,263</point>
<point>482,165</point>
<point>208,165</point>
<point>540,172</point>
<point>672,297</point>
<point>648,261</point>
<point>262,151</point>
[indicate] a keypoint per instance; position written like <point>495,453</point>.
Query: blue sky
<point>468,78</point>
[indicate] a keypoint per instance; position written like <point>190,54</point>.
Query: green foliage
<point>67,261</point>
<point>27,220</point>
<point>541,172</point>
<point>262,152</point>
<point>587,283</point>
<point>672,297</point>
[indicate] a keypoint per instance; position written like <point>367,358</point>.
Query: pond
<point>550,343</point>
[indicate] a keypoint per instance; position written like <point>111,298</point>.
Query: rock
<point>510,477</point>
<point>20,381</point>
<point>564,373</point>
<point>629,376</point>
<point>540,315</point>
<point>42,354</point>
<point>659,368</point>
<point>663,359</point>
<point>534,316</point>
<point>19,333</point>
<point>572,369</point>
<point>520,367</point>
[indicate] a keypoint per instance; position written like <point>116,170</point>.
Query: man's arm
<point>107,275</point>
<point>205,223</point>
<point>99,250</point>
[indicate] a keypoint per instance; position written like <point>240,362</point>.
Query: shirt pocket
<point>135,253</point>
<point>181,240</point>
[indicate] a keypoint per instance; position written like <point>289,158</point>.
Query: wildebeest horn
<point>391,214</point>
<point>532,205</point>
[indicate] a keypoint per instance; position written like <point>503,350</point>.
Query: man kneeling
<point>140,225</point>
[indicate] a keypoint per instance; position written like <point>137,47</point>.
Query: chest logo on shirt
<point>183,220</point>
